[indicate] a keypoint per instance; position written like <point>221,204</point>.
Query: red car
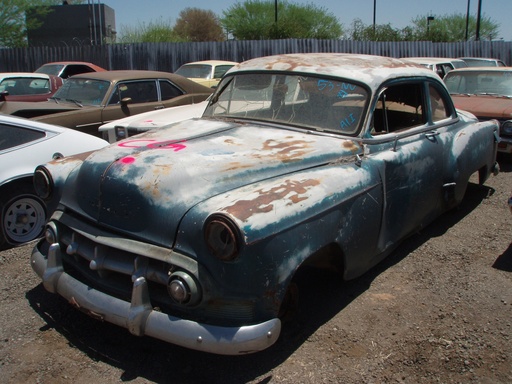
<point>66,69</point>
<point>25,86</point>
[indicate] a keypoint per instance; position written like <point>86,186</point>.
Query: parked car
<point>487,93</point>
<point>65,69</point>
<point>193,233</point>
<point>25,86</point>
<point>24,144</point>
<point>439,65</point>
<point>483,62</point>
<point>133,125</point>
<point>89,100</point>
<point>207,73</point>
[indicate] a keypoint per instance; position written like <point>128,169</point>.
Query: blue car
<point>192,233</point>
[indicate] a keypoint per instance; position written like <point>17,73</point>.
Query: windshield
<point>304,101</point>
<point>83,91</point>
<point>480,82</point>
<point>50,69</point>
<point>195,71</point>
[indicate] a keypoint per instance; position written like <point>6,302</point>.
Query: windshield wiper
<point>76,102</point>
<point>56,99</point>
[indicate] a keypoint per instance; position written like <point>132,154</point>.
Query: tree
<point>381,32</point>
<point>256,20</point>
<point>450,28</point>
<point>194,24</point>
<point>153,32</point>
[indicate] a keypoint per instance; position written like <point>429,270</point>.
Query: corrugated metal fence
<point>169,56</point>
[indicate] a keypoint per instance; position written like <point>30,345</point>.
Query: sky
<point>398,13</point>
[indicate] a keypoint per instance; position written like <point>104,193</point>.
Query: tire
<point>23,217</point>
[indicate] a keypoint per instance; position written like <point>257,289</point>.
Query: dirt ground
<point>438,310</point>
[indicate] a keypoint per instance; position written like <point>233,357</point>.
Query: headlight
<point>221,237</point>
<point>43,183</point>
<point>121,132</point>
<point>506,128</point>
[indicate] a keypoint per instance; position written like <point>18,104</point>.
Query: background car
<point>24,144</point>
<point>439,65</point>
<point>89,100</point>
<point>25,86</point>
<point>299,161</point>
<point>65,69</point>
<point>483,62</point>
<point>487,93</point>
<point>133,125</point>
<point>207,72</point>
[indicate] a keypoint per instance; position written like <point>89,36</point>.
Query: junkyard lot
<point>439,309</point>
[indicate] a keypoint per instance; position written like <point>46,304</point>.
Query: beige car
<point>207,73</point>
<point>87,101</point>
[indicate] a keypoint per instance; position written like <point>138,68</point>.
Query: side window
<point>11,136</point>
<point>75,69</point>
<point>168,90</point>
<point>220,70</point>
<point>138,91</point>
<point>399,107</point>
<point>439,107</point>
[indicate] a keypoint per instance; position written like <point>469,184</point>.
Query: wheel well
<point>24,183</point>
<point>328,258</point>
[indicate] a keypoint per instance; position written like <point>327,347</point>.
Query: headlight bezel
<point>506,128</point>
<point>222,237</point>
<point>43,183</point>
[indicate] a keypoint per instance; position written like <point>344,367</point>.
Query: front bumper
<point>141,319</point>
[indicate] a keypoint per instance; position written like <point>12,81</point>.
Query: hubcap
<point>24,220</point>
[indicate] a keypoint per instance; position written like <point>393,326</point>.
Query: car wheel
<point>23,218</point>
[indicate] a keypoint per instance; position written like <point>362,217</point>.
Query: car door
<point>409,155</point>
<point>131,98</point>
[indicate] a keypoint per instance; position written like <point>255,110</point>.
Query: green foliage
<point>449,28</point>
<point>256,20</point>
<point>153,32</point>
<point>194,24</point>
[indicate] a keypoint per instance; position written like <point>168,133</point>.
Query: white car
<point>25,144</point>
<point>132,125</point>
<point>206,72</point>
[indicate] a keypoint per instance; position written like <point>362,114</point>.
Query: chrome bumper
<point>140,319</point>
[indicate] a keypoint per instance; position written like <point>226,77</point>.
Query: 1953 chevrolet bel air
<point>193,233</point>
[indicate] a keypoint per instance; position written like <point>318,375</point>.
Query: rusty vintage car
<point>193,233</point>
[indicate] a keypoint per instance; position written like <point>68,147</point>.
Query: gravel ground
<point>439,309</point>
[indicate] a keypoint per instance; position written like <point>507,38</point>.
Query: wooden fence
<point>169,56</point>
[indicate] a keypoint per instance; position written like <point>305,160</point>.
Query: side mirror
<point>3,94</point>
<point>126,101</point>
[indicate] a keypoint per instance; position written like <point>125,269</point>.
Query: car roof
<point>4,75</point>
<point>21,121</point>
<point>369,69</point>
<point>213,62</point>
<point>429,60</point>
<point>96,67</point>
<point>482,69</point>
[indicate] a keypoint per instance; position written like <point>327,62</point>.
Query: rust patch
<point>287,150</point>
<point>291,190</point>
<point>351,146</point>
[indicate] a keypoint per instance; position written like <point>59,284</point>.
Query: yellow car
<point>207,73</point>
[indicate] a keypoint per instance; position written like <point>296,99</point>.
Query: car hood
<point>144,185</point>
<point>485,106</point>
<point>35,108</point>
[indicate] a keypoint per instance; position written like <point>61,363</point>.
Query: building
<point>72,25</point>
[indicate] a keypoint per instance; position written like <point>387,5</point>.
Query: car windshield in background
<point>305,101</point>
<point>195,71</point>
<point>82,91</point>
<point>50,69</point>
<point>480,83</point>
